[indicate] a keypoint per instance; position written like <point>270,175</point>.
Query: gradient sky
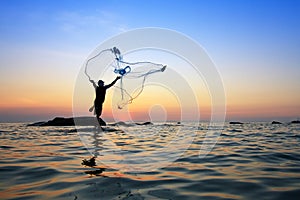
<point>255,45</point>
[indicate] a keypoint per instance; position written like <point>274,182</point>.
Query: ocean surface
<point>158,161</point>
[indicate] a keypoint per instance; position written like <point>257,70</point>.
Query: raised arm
<point>94,84</point>
<point>112,83</point>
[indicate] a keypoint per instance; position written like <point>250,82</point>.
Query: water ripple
<point>249,161</point>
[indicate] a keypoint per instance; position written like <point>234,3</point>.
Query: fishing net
<point>126,70</point>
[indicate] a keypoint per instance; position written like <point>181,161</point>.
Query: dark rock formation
<point>295,122</point>
<point>79,121</point>
<point>83,121</point>
<point>236,123</point>
<point>276,122</point>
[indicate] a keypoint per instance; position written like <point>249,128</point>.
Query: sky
<point>254,44</point>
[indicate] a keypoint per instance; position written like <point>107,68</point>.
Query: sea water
<point>249,161</point>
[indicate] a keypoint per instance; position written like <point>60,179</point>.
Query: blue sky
<point>254,43</point>
<point>221,22</point>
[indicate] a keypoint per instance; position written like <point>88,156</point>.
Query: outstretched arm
<point>94,84</point>
<point>112,83</point>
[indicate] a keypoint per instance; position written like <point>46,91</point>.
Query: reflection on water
<point>138,148</point>
<point>255,160</point>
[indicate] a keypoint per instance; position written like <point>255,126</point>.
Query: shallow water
<point>249,161</point>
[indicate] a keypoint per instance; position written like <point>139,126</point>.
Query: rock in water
<point>276,122</point>
<point>295,122</point>
<point>236,123</point>
<point>79,121</point>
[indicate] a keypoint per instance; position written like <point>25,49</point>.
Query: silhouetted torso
<point>100,94</point>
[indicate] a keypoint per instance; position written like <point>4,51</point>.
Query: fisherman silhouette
<point>100,97</point>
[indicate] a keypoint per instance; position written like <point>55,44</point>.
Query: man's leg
<point>98,114</point>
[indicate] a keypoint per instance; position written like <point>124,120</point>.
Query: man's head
<point>100,83</point>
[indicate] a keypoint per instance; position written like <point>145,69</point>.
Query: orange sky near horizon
<point>57,101</point>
